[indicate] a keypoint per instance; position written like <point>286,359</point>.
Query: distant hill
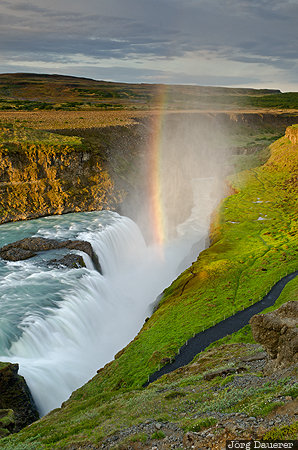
<point>29,91</point>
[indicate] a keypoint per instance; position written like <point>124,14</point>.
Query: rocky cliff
<point>47,173</point>
<point>17,408</point>
<point>292,134</point>
<point>277,332</point>
<point>43,173</point>
<point>36,181</point>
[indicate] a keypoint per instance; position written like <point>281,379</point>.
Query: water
<point>61,324</point>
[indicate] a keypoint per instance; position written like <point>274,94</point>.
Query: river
<point>62,324</point>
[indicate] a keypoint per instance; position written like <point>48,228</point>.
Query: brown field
<point>51,120</point>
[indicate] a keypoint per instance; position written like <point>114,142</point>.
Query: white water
<point>60,345</point>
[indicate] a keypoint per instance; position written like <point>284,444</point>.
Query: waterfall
<point>60,345</point>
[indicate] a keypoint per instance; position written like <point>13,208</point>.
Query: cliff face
<point>292,134</point>
<point>16,398</point>
<point>46,174</point>
<point>37,180</point>
<point>277,332</point>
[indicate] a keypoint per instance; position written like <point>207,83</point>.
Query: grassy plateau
<point>33,92</point>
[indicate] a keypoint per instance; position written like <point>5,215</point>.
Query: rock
<point>16,254</point>
<point>15,395</point>
<point>257,357</point>
<point>29,247</point>
<point>155,305</point>
<point>224,372</point>
<point>165,361</point>
<point>277,332</point>
<point>72,261</point>
<point>7,422</point>
<point>189,439</point>
<point>292,134</point>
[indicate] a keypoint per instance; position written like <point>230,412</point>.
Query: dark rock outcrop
<point>29,247</point>
<point>224,372</point>
<point>277,331</point>
<point>15,396</point>
<point>7,422</point>
<point>72,261</point>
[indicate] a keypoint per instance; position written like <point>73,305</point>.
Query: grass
<point>34,92</point>
<point>289,293</point>
<point>158,435</point>
<point>19,134</point>
<point>53,120</point>
<point>288,432</point>
<point>246,258</point>
<point>67,163</point>
<point>89,422</point>
<point>287,100</point>
<point>199,425</point>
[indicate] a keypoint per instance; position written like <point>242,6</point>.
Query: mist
<point>192,147</point>
<point>82,319</point>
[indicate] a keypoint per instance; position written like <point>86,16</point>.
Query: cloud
<point>249,33</point>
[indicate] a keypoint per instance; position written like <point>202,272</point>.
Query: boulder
<point>29,247</point>
<point>15,396</point>
<point>277,331</point>
<point>224,372</point>
<point>71,261</point>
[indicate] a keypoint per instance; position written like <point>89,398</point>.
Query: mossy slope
<point>253,246</point>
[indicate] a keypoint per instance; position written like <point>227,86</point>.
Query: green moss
<point>198,425</point>
<point>91,421</point>
<point>289,293</point>
<point>15,137</point>
<point>158,435</point>
<point>6,418</point>
<point>4,432</point>
<point>4,364</point>
<point>139,437</point>
<point>286,432</point>
<point>174,394</point>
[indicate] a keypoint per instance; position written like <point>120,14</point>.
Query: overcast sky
<point>206,42</point>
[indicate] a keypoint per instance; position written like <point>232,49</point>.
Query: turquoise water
<point>31,288</point>
<point>61,325</point>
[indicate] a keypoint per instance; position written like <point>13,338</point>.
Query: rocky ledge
<point>292,134</point>
<point>28,247</point>
<point>17,407</point>
<point>277,331</point>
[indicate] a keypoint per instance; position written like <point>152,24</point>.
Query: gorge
<point>60,325</point>
<point>188,183</point>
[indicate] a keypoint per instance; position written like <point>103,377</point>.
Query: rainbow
<point>155,171</point>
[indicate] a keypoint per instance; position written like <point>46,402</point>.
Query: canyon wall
<point>38,179</point>
<point>292,134</point>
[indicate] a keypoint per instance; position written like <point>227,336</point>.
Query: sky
<point>243,43</point>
